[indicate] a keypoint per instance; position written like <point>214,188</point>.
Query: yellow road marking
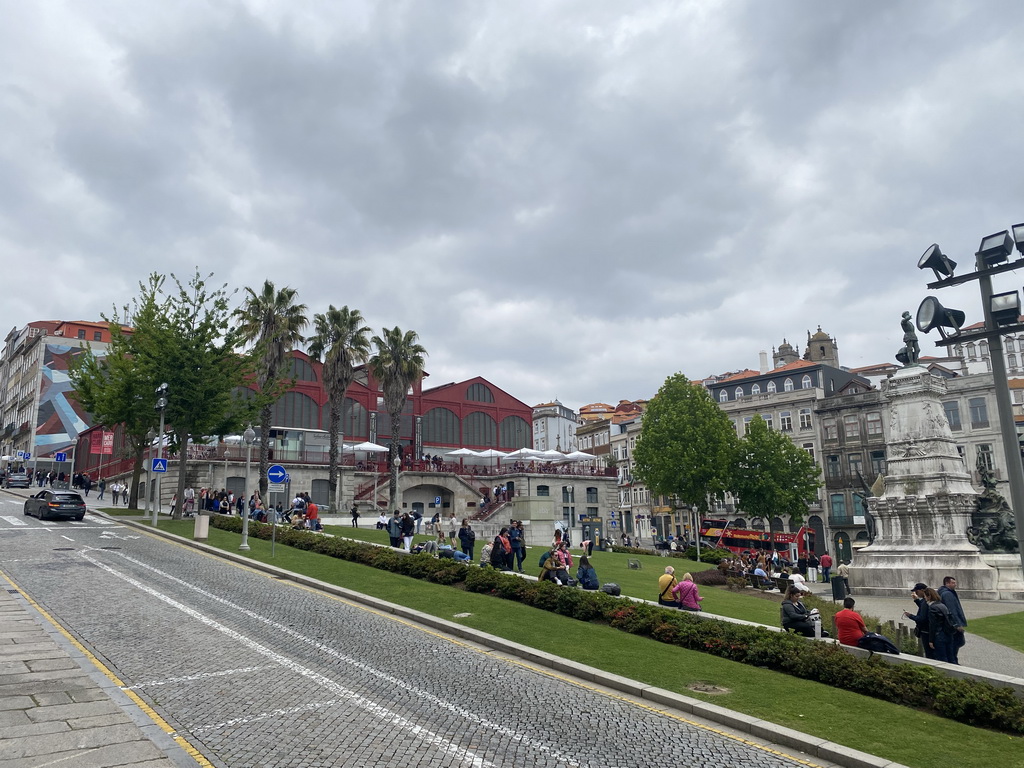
<point>136,699</point>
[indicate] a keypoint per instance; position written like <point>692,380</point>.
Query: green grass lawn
<point>897,733</point>
<point>1007,629</point>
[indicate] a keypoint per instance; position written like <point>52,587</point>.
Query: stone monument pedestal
<point>921,519</point>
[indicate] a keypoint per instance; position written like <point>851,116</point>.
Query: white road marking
<point>13,520</point>
<point>190,678</point>
<point>441,743</point>
<point>108,534</point>
<point>327,650</point>
<point>66,537</point>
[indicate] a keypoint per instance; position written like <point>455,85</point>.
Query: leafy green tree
<point>686,445</point>
<point>397,364</point>
<point>772,476</point>
<point>189,343</point>
<point>272,321</point>
<point>340,340</point>
<point>116,391</point>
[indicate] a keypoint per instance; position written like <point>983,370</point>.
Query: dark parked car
<point>17,480</point>
<point>56,505</point>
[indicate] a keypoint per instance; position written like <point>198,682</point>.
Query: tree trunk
<point>396,462</point>
<point>265,414</point>
<point>133,493</point>
<point>335,425</point>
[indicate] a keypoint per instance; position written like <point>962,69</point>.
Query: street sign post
<point>159,465</point>
<point>277,474</point>
<point>60,457</point>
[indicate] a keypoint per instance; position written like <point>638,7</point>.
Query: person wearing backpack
<point>947,594</point>
<point>920,618</point>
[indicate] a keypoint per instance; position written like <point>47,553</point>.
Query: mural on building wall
<point>61,418</point>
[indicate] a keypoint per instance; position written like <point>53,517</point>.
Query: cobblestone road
<point>259,672</point>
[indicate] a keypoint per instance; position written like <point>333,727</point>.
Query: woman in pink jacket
<point>686,594</point>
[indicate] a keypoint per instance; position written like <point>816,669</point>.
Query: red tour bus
<point>722,534</point>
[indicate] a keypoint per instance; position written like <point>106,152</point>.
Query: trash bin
<point>201,531</point>
<point>838,588</point>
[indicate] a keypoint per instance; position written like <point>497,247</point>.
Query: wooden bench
<point>783,584</point>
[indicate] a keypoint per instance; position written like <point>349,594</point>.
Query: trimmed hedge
<point>970,701</point>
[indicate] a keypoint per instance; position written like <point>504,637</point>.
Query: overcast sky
<point>571,199</point>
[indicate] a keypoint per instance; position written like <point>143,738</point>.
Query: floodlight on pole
<point>1005,308</point>
<point>931,314</point>
<point>935,260</point>
<point>1018,237</point>
<point>996,248</point>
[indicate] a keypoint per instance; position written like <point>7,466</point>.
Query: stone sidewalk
<point>56,708</point>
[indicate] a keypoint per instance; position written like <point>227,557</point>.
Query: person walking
<point>467,538</point>
<point>826,567</point>
<point>686,595</point>
<point>666,583</point>
<point>940,627</point>
<point>518,543</point>
<point>407,527</point>
<point>812,567</point>
<point>355,516</point>
<point>843,572</point>
<point>950,599</point>
<point>453,532</point>
<point>102,485</point>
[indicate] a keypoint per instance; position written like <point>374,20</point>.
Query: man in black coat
<point>950,599</point>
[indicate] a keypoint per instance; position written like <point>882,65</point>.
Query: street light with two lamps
<point>1002,317</point>
<point>248,436</point>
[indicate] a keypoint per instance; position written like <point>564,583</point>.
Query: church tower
<point>822,348</point>
<point>785,354</point>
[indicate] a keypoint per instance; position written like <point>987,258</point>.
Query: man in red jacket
<point>826,566</point>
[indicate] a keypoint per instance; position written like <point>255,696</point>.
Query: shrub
<point>711,578</point>
<point>970,701</point>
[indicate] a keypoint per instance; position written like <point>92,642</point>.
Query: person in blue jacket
<point>586,575</point>
<point>516,537</point>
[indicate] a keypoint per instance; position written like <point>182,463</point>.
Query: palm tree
<point>397,364</point>
<point>272,321</point>
<point>340,340</point>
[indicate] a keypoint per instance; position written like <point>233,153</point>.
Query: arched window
<point>405,428</point>
<point>478,428</point>
<point>440,426</point>
<point>739,392</point>
<point>513,433</point>
<point>296,410</point>
<point>788,385</point>
<point>740,523</point>
<point>771,387</point>
<point>301,370</point>
<point>805,382</point>
<point>353,419</point>
<point>723,396</point>
<point>777,524</point>
<point>755,389</point>
<point>757,524</point>
<point>479,393</point>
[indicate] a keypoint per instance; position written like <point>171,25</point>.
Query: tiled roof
<point>749,374</point>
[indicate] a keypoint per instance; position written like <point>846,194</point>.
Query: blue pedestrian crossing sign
<point>60,457</point>
<point>159,465</point>
<point>276,474</point>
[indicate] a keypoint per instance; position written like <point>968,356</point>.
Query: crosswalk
<point>14,521</point>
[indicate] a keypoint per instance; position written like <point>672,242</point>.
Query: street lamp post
<point>150,437</point>
<point>248,436</point>
<point>1002,316</point>
<point>161,405</point>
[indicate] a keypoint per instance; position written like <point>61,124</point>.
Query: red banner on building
<point>105,445</point>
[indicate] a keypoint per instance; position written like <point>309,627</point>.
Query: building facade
<point>554,427</point>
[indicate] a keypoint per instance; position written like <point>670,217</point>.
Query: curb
<point>763,729</point>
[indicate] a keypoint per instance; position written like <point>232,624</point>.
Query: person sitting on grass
<point>586,575</point>
<point>550,566</point>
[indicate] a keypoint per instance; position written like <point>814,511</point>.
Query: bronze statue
<point>910,352</point>
<point>993,528</point>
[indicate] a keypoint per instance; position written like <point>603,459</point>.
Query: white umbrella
<point>551,455</point>
<point>491,453</point>
<point>523,453</point>
<point>580,456</point>
<point>463,452</point>
<point>370,448</point>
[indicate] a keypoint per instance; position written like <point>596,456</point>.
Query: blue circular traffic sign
<point>276,473</point>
